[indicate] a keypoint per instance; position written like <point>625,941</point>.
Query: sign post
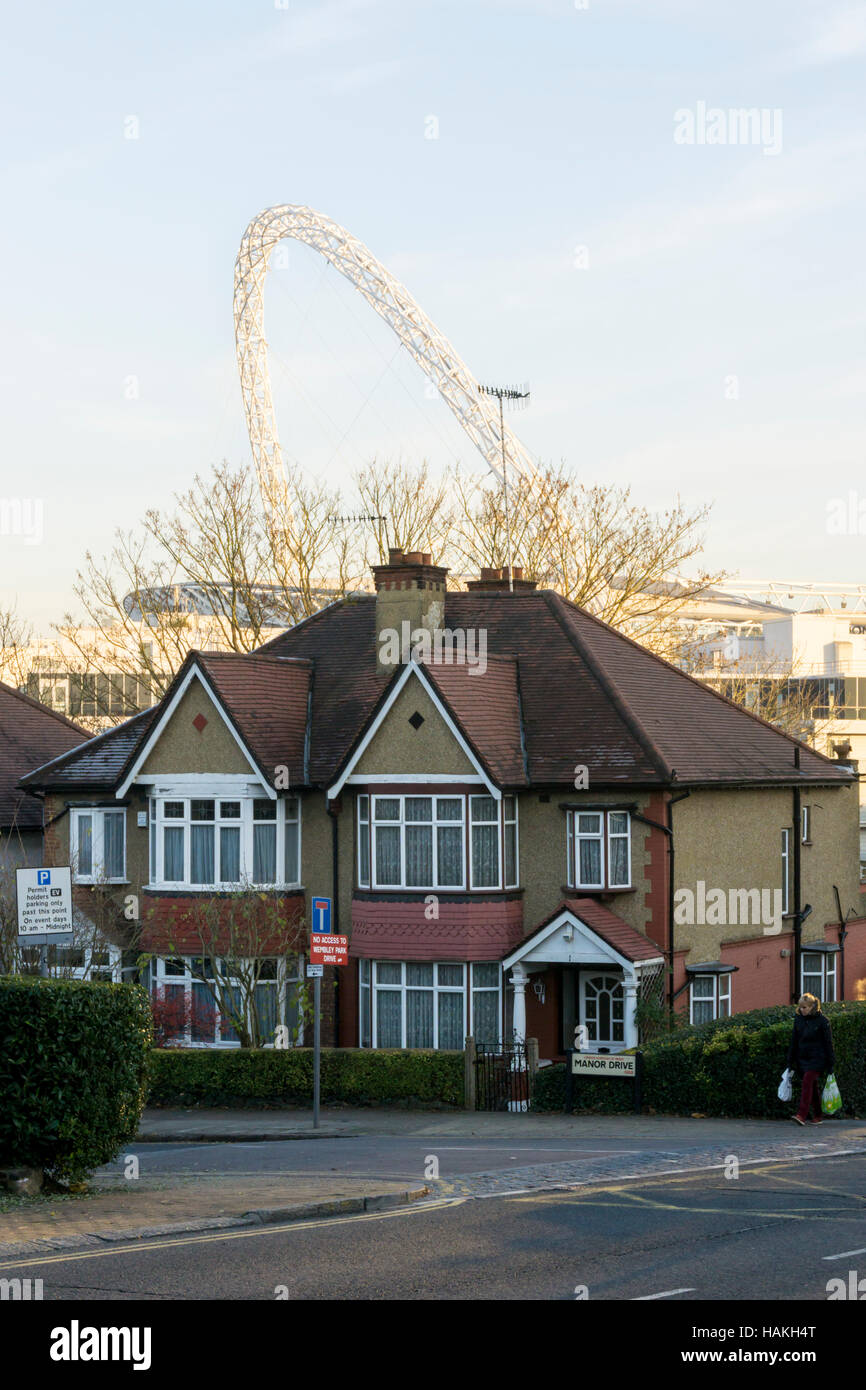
<point>325,949</point>
<point>44,909</point>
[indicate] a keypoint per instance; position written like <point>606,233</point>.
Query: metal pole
<point>317,1046</point>
<point>43,962</point>
<point>505,488</point>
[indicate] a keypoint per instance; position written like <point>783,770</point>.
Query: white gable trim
<point>194,673</point>
<point>410,668</point>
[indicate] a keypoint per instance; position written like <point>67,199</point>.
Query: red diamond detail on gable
<point>199,722</point>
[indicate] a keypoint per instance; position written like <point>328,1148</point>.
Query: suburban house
<point>527,824</point>
<point>30,734</point>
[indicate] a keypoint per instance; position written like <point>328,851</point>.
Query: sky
<point>548,180</point>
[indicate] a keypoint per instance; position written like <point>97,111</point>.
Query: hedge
<point>731,1066</point>
<point>284,1076</point>
<point>73,1069</point>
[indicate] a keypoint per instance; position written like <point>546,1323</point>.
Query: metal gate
<point>503,1080</point>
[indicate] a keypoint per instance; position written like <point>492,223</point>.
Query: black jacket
<point>811,1044</point>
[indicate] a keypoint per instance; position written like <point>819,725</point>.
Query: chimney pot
<point>395,556</point>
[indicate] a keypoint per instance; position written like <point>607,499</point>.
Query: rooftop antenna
<point>515,396</point>
<point>354,518</point>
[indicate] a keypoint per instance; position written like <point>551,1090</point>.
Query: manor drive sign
<point>585,1064</point>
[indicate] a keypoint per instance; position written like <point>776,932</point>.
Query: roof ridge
<point>609,687</point>
<point>43,709</point>
<point>701,685</point>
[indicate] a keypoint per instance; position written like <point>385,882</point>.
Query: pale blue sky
<point>556,131</point>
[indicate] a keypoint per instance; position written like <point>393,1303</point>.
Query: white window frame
<point>786,869</point>
<point>375,987</point>
<point>486,989</point>
<point>827,974</point>
<point>160,977</point>
<point>158,823</point>
<point>506,821</point>
<point>720,996</point>
<point>603,836</point>
<point>806,825</point>
<point>400,825</point>
<point>498,823</point>
<point>97,816</point>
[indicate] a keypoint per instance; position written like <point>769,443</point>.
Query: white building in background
<point>813,633</point>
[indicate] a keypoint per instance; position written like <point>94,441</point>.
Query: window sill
<point>102,882</point>
<point>222,890</point>
<point>572,890</point>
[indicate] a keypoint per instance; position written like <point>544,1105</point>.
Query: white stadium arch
<point>477,413</point>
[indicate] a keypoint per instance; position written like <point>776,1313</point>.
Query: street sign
<point>329,949</point>
<point>44,906</point>
<point>589,1064</point>
<point>321,915</point>
<point>315,972</point>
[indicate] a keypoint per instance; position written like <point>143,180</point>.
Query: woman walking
<point>810,1054</point>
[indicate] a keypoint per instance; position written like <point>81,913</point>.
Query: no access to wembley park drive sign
<point>44,906</point>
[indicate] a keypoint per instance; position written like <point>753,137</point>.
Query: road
<point>777,1232</point>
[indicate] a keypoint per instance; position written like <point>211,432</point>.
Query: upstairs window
<point>98,846</point>
<point>441,841</point>
<point>225,842</point>
<point>598,849</point>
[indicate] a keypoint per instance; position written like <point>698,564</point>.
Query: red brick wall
<point>187,924</point>
<point>656,873</point>
<point>764,976</point>
<point>855,955</point>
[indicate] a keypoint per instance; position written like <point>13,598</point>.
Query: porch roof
<point>601,936</point>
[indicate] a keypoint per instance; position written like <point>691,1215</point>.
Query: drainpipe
<point>842,934</point>
<point>798,897</point>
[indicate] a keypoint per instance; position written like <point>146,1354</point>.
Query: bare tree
<point>16,635</point>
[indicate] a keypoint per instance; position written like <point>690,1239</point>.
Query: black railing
<point>503,1079</point>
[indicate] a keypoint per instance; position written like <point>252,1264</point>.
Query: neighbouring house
<point>30,735</point>
<point>527,824</point>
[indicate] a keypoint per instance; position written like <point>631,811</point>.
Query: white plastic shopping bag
<point>831,1101</point>
<point>784,1091</point>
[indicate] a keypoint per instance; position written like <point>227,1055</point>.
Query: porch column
<point>629,985</point>
<point>519,980</point>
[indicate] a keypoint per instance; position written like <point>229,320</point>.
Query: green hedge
<point>284,1076</point>
<point>729,1067</point>
<point>73,1067</point>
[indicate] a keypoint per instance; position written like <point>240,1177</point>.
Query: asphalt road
<point>778,1232</point>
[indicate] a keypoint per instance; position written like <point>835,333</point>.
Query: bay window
<point>224,842</point>
<point>187,990</point>
<point>421,841</point>
<point>98,845</point>
<point>423,1004</point>
<point>598,849</point>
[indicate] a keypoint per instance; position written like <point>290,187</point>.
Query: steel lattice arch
<point>434,354</point>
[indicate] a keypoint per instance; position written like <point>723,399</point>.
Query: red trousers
<point>810,1095</point>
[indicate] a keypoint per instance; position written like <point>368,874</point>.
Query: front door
<point>602,1010</point>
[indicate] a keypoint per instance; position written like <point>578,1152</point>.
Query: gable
<point>397,747</point>
<point>180,746</point>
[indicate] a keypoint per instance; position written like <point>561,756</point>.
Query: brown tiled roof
<point>619,934</point>
<point>100,762</point>
<point>30,734</point>
<point>267,699</point>
<point>562,689</point>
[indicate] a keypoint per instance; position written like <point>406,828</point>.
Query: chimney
<point>498,579</point>
<point>410,597</point>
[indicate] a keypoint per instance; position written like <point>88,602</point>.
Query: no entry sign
<point>328,949</point>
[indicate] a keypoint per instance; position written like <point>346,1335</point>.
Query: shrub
<point>284,1076</point>
<point>73,1065</point>
<point>731,1066</point>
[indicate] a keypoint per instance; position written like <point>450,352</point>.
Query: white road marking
<point>668,1293</point>
<point>846,1254</point>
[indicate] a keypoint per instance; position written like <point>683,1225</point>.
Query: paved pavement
<point>199,1170</point>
